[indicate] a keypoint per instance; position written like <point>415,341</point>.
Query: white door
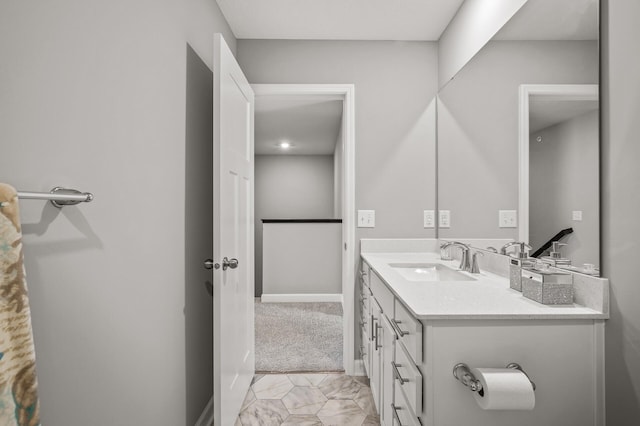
<point>233,282</point>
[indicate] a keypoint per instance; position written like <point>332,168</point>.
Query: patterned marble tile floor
<point>308,400</point>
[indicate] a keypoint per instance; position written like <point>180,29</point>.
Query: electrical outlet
<point>444,218</point>
<point>366,218</point>
<point>429,219</point>
<point>576,215</point>
<point>507,218</point>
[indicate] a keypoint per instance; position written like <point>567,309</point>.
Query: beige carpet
<point>298,337</point>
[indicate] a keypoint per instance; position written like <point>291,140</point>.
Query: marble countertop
<point>487,297</point>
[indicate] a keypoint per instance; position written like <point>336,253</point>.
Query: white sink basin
<point>430,272</point>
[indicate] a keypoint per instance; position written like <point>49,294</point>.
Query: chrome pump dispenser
<point>555,256</point>
<point>516,264</point>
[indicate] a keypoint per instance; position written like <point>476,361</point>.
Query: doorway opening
<point>304,226</point>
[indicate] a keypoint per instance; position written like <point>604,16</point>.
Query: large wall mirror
<point>546,43</point>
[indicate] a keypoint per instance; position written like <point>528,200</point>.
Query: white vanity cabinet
<point>380,345</point>
<point>411,362</point>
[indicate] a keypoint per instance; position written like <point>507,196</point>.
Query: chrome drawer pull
<point>396,373</point>
<point>395,413</point>
<point>395,325</point>
<point>373,323</point>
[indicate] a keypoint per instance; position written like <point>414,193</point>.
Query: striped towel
<point>18,384</point>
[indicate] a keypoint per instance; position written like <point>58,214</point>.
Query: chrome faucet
<point>503,249</point>
<point>465,261</point>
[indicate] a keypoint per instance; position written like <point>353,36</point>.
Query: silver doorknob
<point>209,264</point>
<point>229,263</point>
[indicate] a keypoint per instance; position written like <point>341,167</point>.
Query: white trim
<point>358,369</point>
<point>346,93</point>
<point>280,298</point>
<point>206,418</point>
<point>560,92</point>
<point>599,407</point>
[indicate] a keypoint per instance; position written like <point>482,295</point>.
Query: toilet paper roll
<point>504,389</point>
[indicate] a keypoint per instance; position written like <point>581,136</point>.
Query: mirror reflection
<point>479,160</point>
<point>563,176</point>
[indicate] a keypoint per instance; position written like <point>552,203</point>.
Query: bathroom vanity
<point>421,316</point>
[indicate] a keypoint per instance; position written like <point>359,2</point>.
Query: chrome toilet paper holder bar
<point>462,373</point>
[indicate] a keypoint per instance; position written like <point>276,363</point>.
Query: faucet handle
<point>475,269</point>
<point>503,249</point>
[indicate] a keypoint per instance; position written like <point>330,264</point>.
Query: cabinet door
<point>375,351</point>
<point>388,338</point>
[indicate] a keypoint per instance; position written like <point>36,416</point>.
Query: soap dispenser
<point>555,256</point>
<point>516,264</point>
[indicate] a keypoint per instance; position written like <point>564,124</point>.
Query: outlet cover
<point>507,218</point>
<point>429,219</point>
<point>366,218</point>
<point>444,219</point>
<point>576,215</point>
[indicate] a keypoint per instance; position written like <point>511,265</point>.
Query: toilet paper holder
<point>462,373</point>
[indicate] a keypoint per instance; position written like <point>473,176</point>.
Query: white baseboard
<point>358,368</point>
<point>206,418</point>
<point>275,298</point>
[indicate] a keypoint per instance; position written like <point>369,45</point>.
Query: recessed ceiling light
<point>284,145</point>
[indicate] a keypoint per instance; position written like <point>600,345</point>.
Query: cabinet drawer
<point>402,413</point>
<point>382,294</point>
<point>409,377</point>
<point>409,332</point>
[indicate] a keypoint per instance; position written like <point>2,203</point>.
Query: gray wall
<point>198,288</point>
<point>620,203</point>
<point>302,258</point>
<point>93,97</point>
<point>563,177</point>
<point>478,128</point>
<point>290,187</point>
<point>395,137</point>
<point>469,30</point>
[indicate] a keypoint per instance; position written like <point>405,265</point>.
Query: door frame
<point>559,92</point>
<point>346,93</point>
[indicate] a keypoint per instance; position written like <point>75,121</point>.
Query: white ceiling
<point>553,20</point>
<point>311,126</point>
<point>543,114</point>
<point>339,19</point>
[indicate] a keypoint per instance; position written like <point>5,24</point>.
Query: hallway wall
<point>92,96</point>
<point>290,187</point>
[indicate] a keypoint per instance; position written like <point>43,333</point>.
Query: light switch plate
<point>366,218</point>
<point>444,218</point>
<point>576,215</point>
<point>507,218</point>
<point>429,219</point>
